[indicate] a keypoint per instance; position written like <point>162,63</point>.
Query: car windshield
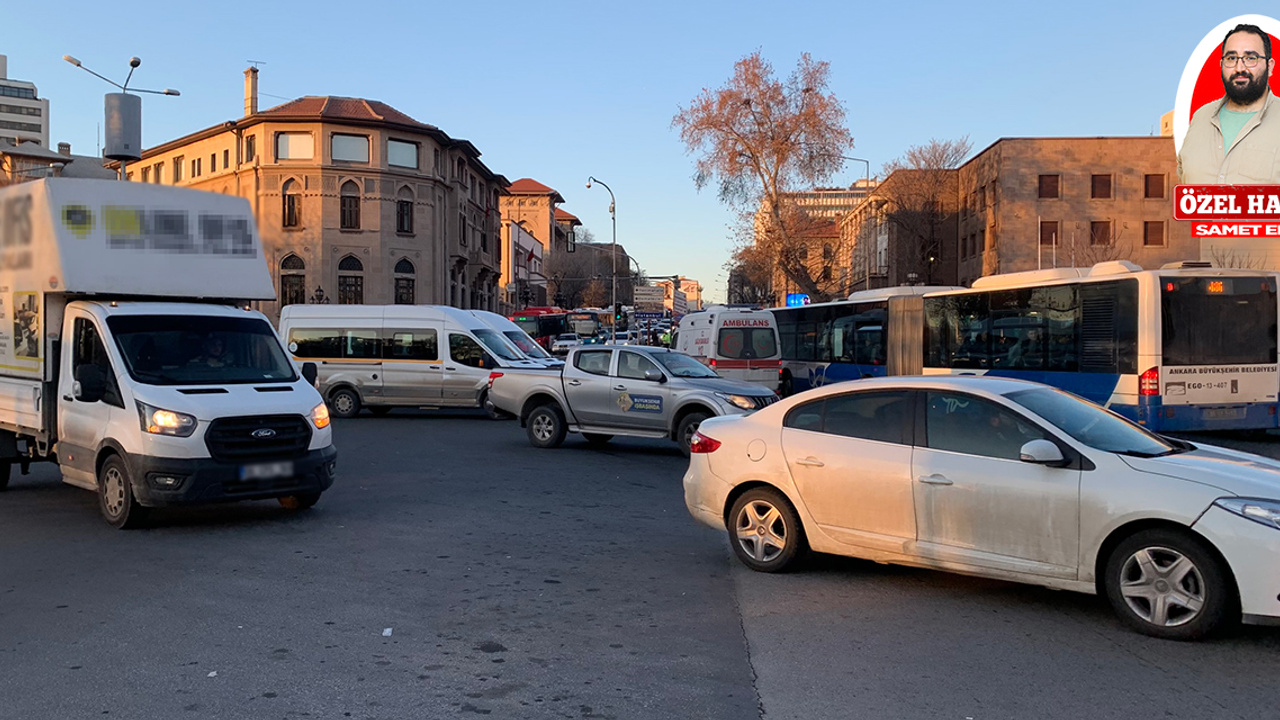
<point>498,345</point>
<point>682,365</point>
<point>526,344</point>
<point>200,350</point>
<point>1091,424</point>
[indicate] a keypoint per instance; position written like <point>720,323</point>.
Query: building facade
<point>1023,204</point>
<point>24,115</point>
<point>356,202</point>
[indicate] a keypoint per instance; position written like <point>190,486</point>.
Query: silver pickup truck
<point>637,391</point>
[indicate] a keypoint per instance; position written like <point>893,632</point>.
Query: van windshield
<point>496,344</point>
<point>526,344</point>
<point>200,350</point>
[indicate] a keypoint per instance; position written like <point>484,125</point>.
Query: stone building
<point>356,202</point>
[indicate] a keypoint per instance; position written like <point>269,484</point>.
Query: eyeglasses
<point>1249,59</point>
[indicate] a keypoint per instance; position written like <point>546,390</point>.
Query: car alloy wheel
<point>761,531</point>
<point>765,530</point>
<point>544,428</point>
<point>1162,586</point>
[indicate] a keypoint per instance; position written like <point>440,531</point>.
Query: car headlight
<point>741,401</point>
<point>320,416</point>
<point>159,421</point>
<point>1266,512</point>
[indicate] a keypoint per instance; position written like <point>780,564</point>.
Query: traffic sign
<point>648,316</point>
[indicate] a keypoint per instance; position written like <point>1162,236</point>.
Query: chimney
<point>64,148</point>
<point>250,91</point>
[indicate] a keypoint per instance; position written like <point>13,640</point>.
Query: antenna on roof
<point>256,63</point>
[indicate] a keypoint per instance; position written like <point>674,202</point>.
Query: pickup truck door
<point>640,403</point>
<point>82,425</point>
<point>587,387</point>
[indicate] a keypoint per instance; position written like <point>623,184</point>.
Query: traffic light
<point>617,312</point>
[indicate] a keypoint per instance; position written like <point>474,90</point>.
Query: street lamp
<point>123,115</point>
<point>866,189</point>
<point>613,254</point>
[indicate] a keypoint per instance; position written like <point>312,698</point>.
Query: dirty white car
<point>1000,478</point>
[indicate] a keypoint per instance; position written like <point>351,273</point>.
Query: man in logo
<point>1236,140</point>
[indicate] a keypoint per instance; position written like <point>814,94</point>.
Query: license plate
<point>266,471</point>
<point>1224,413</point>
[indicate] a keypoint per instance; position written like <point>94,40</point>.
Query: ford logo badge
<point>264,433</point>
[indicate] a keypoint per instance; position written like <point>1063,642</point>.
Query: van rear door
<point>412,371</point>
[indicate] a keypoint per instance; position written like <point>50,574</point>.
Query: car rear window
<point>748,343</point>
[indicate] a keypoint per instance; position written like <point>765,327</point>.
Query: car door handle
<point>68,398</point>
<point>451,369</point>
<point>934,479</point>
<point>810,462</point>
<point>575,383</point>
<point>619,387</point>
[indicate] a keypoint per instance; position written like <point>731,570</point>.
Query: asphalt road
<point>519,583</point>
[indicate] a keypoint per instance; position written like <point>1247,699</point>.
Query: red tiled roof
<point>565,216</point>
<point>529,186</point>
<point>343,108</point>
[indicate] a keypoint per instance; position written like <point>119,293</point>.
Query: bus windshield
<point>200,350</point>
<point>1218,320</point>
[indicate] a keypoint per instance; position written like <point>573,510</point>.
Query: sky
<point>560,90</point>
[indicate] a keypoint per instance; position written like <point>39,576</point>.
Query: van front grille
<point>238,439</point>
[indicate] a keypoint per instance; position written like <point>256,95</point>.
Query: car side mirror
<point>654,376</point>
<point>90,384</point>
<point>1041,452</point>
<point>310,373</point>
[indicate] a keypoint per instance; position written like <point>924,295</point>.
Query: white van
<point>134,362</point>
<point>737,343</point>
<point>385,356</point>
<point>521,339</point>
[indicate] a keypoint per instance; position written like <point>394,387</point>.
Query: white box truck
<point>129,355</point>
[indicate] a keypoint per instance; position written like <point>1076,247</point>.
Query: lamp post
<point>123,115</point>
<point>613,254</point>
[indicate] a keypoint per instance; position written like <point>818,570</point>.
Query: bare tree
<point>750,275</point>
<point>1232,258</point>
<point>758,139</point>
<point>595,295</point>
<point>919,193</point>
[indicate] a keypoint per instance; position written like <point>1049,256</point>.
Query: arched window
<point>828,254</point>
<point>292,210</point>
<point>350,281</point>
<point>350,206</point>
<point>404,211</point>
<point>293,281</point>
<point>405,282</point>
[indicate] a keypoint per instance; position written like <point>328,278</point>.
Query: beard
<point>1250,92</point>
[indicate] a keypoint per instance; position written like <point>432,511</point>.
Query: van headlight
<point>159,421</point>
<point>320,416</point>
<point>1266,512</point>
<point>740,401</point>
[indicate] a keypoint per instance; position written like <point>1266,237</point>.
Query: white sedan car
<point>1004,479</point>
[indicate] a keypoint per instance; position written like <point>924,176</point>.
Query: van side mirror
<point>1041,452</point>
<point>654,376</point>
<point>310,373</point>
<point>90,384</point>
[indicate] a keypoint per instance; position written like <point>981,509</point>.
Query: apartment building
<point>356,201</point>
<point>24,115</point>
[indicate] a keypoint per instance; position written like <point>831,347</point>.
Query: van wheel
<point>689,426</point>
<point>785,388</point>
<point>301,501</point>
<point>546,427</point>
<point>115,496</point>
<point>345,403</point>
<point>6,469</point>
<point>1167,584</point>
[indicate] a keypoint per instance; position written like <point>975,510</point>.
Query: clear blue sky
<point>558,91</point>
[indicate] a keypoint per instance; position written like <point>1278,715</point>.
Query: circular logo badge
<point>78,219</point>
<point>293,347</point>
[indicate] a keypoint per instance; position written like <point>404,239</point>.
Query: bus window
<point>1218,321</point>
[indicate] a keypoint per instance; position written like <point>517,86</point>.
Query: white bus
<point>1186,347</point>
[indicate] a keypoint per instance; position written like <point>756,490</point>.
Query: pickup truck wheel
<point>596,439</point>
<point>6,469</point>
<point>345,403</point>
<point>689,426</point>
<point>490,409</point>
<point>301,501</point>
<point>546,427</point>
<point>115,496</point>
